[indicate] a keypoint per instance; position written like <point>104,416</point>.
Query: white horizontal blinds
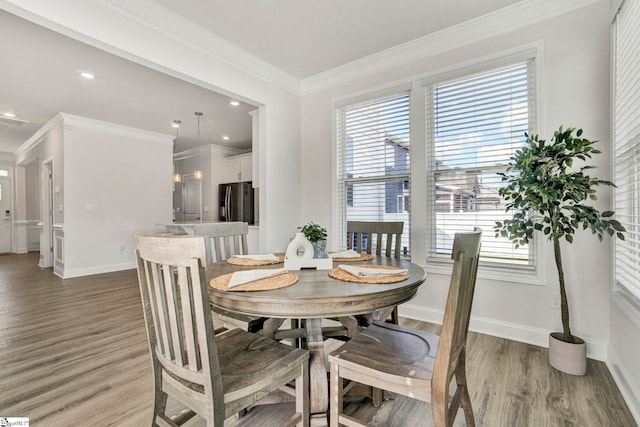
<point>373,163</point>
<point>475,125</point>
<point>626,30</point>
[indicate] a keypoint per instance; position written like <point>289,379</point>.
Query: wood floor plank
<point>74,352</point>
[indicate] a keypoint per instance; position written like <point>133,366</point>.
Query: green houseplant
<point>546,192</point>
<point>317,235</point>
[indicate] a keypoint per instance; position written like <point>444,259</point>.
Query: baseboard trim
<point>99,269</point>
<point>630,390</point>
<point>596,349</point>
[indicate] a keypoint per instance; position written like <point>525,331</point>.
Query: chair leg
<point>465,399</point>
<point>376,396</point>
<point>336,396</point>
<point>159,396</point>
<point>302,395</point>
<point>465,402</point>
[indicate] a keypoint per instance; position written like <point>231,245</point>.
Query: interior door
<point>192,199</point>
<point>5,215</point>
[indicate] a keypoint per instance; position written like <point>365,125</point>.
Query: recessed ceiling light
<point>225,137</point>
<point>8,114</point>
<point>87,75</point>
<point>234,103</point>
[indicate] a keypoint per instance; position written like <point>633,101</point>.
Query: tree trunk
<point>564,304</point>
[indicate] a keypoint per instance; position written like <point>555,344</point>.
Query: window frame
<point>341,202</point>
<point>532,50</point>
<point>536,273</point>
<point>621,295</point>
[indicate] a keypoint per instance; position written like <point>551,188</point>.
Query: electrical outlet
<point>555,301</point>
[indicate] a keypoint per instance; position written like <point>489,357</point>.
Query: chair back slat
<point>173,310</point>
<point>383,231</point>
<point>223,240</point>
<point>457,313</point>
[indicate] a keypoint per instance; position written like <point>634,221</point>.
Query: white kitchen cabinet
<point>239,168</point>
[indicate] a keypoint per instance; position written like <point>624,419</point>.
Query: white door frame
<point>46,209</point>
<point>3,216</point>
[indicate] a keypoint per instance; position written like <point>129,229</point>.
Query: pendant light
<point>176,174</point>
<point>197,174</point>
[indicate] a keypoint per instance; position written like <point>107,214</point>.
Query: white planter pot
<point>567,357</point>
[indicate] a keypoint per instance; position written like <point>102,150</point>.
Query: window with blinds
<point>373,164</point>
<point>626,146</point>
<point>474,125</point>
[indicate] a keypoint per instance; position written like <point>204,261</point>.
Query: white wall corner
<point>596,349</point>
<point>628,388</point>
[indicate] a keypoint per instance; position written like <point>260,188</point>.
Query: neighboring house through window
<point>475,124</point>
<point>373,163</point>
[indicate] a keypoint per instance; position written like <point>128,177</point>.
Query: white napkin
<point>261,257</point>
<point>371,272</point>
<point>345,254</point>
<point>247,276</point>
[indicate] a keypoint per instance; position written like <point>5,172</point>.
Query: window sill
<point>628,303</point>
<point>503,274</point>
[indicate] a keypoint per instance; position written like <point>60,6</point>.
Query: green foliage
<point>546,195</point>
<point>545,189</point>
<point>314,232</point>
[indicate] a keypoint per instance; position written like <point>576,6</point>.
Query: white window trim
<point>337,218</point>
<point>623,298</point>
<point>537,274</point>
<point>418,215</point>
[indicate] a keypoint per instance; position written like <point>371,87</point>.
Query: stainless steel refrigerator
<point>237,202</point>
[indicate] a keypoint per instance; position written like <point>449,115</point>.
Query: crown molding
<point>163,20</point>
<point>36,138</point>
<point>72,122</point>
<point>157,19</point>
<point>519,15</point>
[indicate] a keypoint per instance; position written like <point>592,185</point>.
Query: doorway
<point>187,199</point>
<point>5,215</point>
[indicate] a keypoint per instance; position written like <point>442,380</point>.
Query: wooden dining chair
<point>414,363</point>
<point>213,376</point>
<point>360,237</point>
<point>222,241</point>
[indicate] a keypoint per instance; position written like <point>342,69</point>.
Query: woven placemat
<point>249,261</point>
<point>363,257</point>
<point>340,274</point>
<point>221,283</point>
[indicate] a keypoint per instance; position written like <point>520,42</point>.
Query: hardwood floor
<point>74,353</point>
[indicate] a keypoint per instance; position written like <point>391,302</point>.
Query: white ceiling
<point>39,72</point>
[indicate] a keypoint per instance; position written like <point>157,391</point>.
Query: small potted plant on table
<point>317,235</point>
<point>545,194</point>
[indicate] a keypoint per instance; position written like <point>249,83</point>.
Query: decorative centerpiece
<point>317,235</point>
<point>302,252</point>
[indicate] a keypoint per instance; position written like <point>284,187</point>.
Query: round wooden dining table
<point>316,296</point>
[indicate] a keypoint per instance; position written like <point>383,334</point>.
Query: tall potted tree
<point>546,194</point>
